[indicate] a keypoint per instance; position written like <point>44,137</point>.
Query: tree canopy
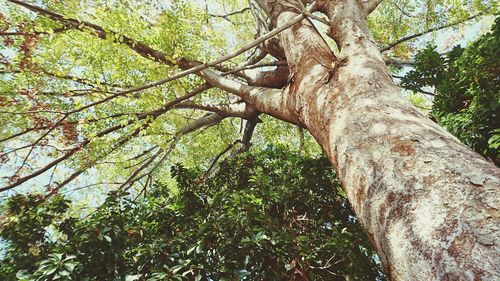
<point>84,90</point>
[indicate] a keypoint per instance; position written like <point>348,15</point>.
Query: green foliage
<point>56,267</point>
<point>267,216</point>
<point>467,84</point>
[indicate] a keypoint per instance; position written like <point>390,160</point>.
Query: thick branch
<point>370,5</point>
<point>240,109</point>
<point>399,62</point>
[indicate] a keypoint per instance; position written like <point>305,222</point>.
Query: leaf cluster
<point>467,84</point>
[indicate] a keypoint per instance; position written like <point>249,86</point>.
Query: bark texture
<point>429,204</point>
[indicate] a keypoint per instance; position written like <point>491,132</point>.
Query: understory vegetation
<point>271,215</point>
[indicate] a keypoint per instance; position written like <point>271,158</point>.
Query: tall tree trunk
<point>428,203</point>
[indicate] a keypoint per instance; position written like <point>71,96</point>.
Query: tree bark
<point>428,203</point>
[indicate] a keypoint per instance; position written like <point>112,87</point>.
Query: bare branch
<point>140,169</point>
<point>166,107</point>
<point>120,143</point>
<point>226,16</point>
<point>202,122</point>
<point>214,166</point>
<point>247,134</point>
<point>84,81</point>
<point>245,145</point>
<point>205,121</point>
<point>189,66</point>
<point>68,154</point>
<point>430,30</point>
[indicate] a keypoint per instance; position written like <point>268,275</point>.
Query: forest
<point>249,140</point>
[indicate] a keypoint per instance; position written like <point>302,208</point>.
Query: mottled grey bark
<point>429,204</point>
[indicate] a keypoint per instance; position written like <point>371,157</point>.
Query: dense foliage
<point>267,216</point>
<point>467,85</point>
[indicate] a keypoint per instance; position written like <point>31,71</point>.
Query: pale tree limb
<point>399,62</point>
<point>194,66</point>
<point>257,55</point>
<point>239,109</point>
<point>369,5</point>
<point>247,134</point>
<point>246,92</point>
<point>275,78</point>
<point>263,25</point>
<point>265,100</point>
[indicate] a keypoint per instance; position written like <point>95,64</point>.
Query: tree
<point>428,203</point>
<point>245,223</point>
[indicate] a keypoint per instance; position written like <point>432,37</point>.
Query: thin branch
<point>92,120</point>
<point>225,16</point>
<point>245,145</point>
<point>68,154</point>
<point>189,66</point>
<point>140,169</point>
<point>122,142</point>
<point>90,185</point>
<point>214,165</point>
<point>253,66</point>
<point>198,124</point>
<point>410,37</point>
<point>166,107</point>
<point>84,81</point>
